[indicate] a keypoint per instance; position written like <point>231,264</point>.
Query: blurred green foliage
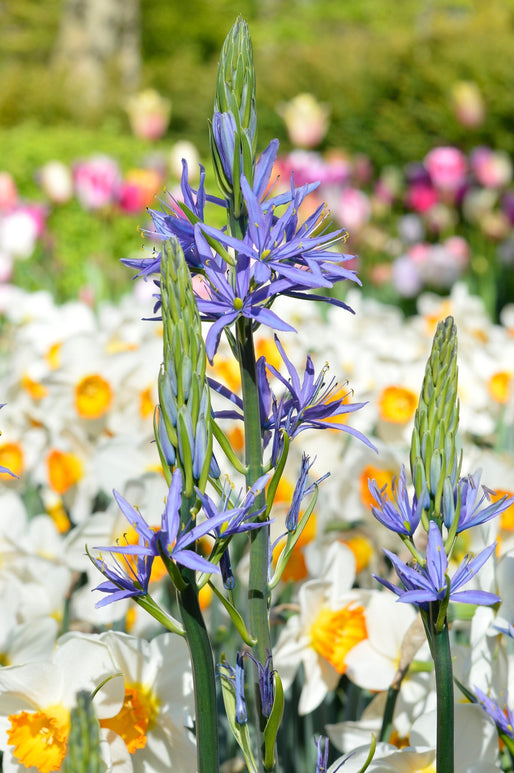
<point>80,249</point>
<point>386,68</point>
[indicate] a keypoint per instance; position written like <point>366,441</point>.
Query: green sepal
<point>166,400</point>
<point>292,539</point>
<point>443,608</point>
<point>273,724</point>
<point>235,617</point>
<point>240,732</point>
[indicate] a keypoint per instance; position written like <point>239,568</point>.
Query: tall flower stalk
<point>443,507</point>
<point>229,278</point>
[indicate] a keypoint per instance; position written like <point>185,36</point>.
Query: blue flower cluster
<point>276,255</point>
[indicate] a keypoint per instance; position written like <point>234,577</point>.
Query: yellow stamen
<point>39,738</point>
<point>335,633</point>
<point>93,396</point>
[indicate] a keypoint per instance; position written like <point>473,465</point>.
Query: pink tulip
<point>149,114</point>
<point>447,168</point>
<point>8,191</point>
<point>96,182</point>
<point>138,189</point>
<point>492,169</point>
<point>353,209</point>
<point>421,197</point>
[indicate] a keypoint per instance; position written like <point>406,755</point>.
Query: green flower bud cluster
<point>183,422</point>
<point>235,95</point>
<point>435,465</point>
<point>83,754</point>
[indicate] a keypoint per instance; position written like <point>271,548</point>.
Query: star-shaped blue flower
<point>430,582</point>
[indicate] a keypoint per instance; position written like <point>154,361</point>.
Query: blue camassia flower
<point>237,677</point>
<point>306,404</point>
<point>276,256</point>
<point>430,582</point>
<point>236,514</point>
<point>471,511</point>
<point>231,296</point>
<point>397,513</point>
<point>130,574</point>
<point>177,219</point>
<point>278,247</point>
<point>502,716</point>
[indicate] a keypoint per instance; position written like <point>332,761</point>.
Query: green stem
<point>387,720</point>
<point>203,678</point>
<point>444,689</point>
<point>258,590</point>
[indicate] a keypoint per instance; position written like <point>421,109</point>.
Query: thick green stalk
<point>387,719</point>
<point>258,590</point>
<point>440,645</point>
<point>203,678</point>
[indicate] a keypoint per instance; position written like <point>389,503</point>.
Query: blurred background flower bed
<point>408,132</point>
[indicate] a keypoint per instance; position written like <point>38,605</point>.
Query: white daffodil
<point>415,698</point>
<point>36,700</point>
<point>373,662</point>
<point>156,716</point>
<point>475,752</point>
<point>26,642</point>
<point>330,622</point>
<point>31,559</point>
